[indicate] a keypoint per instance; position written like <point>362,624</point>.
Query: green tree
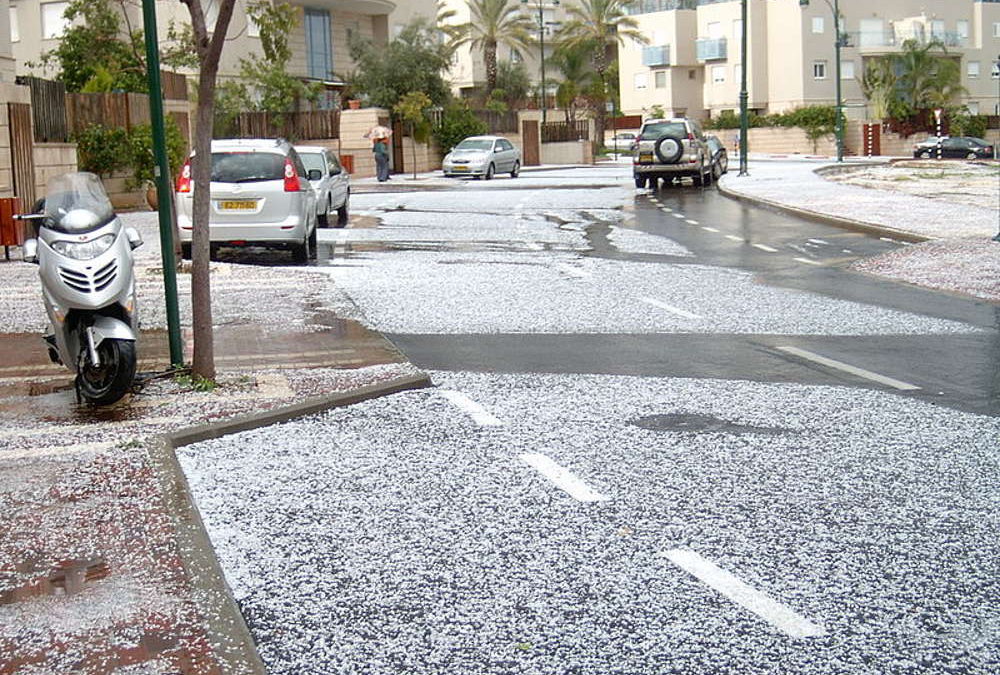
<point>412,109</point>
<point>414,60</point>
<point>494,23</point>
<point>513,81</point>
<point>878,84</point>
<point>457,122</point>
<point>927,79</point>
<point>599,26</point>
<point>578,79</point>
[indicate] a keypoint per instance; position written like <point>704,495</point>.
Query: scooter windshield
<point>76,203</point>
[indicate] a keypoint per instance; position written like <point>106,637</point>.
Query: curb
<point>836,221</point>
<point>234,645</point>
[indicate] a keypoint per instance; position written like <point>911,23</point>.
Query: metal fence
<point>560,132</point>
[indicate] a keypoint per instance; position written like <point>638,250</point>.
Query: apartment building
<point>692,64</point>
<point>319,43</point>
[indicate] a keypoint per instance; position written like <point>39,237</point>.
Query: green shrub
<point>457,122</point>
<point>102,150</point>
<point>968,125</point>
<point>140,157</point>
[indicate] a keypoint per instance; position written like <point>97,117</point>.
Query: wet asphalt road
<point>652,448</point>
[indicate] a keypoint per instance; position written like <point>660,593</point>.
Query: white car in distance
<point>482,156</point>
<point>330,182</point>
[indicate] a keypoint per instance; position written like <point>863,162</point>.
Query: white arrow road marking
<point>778,615</point>
<point>562,478</point>
<point>848,368</point>
<point>765,247</point>
<point>477,412</point>
<point>670,308</point>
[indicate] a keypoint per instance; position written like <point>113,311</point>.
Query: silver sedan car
<point>329,180</point>
<point>482,156</point>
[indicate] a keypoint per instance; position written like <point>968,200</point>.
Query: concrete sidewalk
<point>104,565</point>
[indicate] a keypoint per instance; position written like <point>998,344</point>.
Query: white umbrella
<point>379,131</point>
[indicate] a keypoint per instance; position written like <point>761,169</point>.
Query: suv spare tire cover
<point>669,149</point>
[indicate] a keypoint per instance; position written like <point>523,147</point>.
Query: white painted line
<point>666,208</point>
<point>562,478</point>
<point>819,241</point>
<point>670,308</point>
<point>848,368</point>
<point>691,222</point>
<point>574,272</point>
<point>888,239</point>
<point>807,261</point>
<point>708,229</point>
<point>471,408</point>
<point>765,247</point>
<point>679,216</point>
<point>781,616</point>
<point>734,237</point>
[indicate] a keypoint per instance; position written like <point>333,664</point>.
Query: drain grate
<point>695,423</point>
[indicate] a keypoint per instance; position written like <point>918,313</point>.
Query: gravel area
<point>964,183</point>
<point>426,545</point>
<point>476,292</point>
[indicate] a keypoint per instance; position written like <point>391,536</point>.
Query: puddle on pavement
<point>697,423</point>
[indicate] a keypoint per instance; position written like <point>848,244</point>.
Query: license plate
<point>460,167</point>
<point>645,157</point>
<point>238,205</point>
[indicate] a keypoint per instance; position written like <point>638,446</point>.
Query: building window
<point>937,28</point>
<point>253,30</point>
<point>54,24</point>
<point>996,29</point>
<point>972,69</point>
<point>818,24</point>
<point>660,78</point>
<point>15,28</point>
<point>819,70</point>
<point>847,70</point>
<point>640,80</point>
<point>692,74</point>
<point>962,28</point>
<point>973,107</point>
<point>319,58</point>
<point>718,74</point>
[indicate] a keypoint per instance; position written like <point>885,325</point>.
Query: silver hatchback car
<point>331,183</point>
<point>259,197</point>
<point>482,156</point>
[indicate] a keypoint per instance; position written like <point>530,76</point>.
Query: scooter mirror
<point>31,251</point>
<point>134,238</point>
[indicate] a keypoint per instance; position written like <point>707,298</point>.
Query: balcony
<point>656,56</point>
<point>891,41</point>
<point>364,7</point>
<point>709,49</point>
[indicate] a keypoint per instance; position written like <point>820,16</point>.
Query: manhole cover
<point>695,423</point>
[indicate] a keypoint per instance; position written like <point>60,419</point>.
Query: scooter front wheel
<point>108,382</point>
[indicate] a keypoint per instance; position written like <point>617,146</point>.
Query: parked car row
<point>267,192</point>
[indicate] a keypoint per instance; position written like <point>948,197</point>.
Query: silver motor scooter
<point>84,254</point>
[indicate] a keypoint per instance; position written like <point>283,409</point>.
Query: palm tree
<point>494,23</point>
<point>927,80</point>
<point>878,84</point>
<point>578,78</point>
<point>599,26</point>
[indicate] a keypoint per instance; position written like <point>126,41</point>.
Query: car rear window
<point>313,160</point>
<point>653,131</point>
<point>247,167</point>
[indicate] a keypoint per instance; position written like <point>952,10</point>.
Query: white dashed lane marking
<point>691,222</point>
<point>708,229</point>
<point>670,308</point>
<point>733,237</point>
<point>848,368</point>
<point>562,478</point>
<point>775,613</point>
<point>477,412</point>
<point>765,247</point>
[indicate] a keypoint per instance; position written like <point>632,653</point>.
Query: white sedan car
<point>330,182</point>
<point>482,156</point>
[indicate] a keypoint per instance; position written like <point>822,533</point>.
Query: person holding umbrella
<point>380,146</point>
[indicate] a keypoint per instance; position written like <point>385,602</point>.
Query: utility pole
<point>838,44</point>
<point>540,6</point>
<point>744,96</point>
<point>164,190</point>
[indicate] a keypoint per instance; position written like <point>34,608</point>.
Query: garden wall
<point>52,159</point>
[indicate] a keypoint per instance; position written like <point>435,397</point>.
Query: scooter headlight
<point>85,250</point>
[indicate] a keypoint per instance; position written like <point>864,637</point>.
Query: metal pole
<point>541,41</point>
<point>839,125</point>
<point>744,98</point>
<point>997,237</point>
<point>164,191</point>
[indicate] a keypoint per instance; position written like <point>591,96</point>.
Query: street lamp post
<point>744,96</point>
<point>540,6</point>
<point>997,71</point>
<point>838,43</point>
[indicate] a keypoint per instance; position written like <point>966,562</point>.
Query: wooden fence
<point>499,123</point>
<point>559,132</point>
<point>294,126</point>
<point>48,109</point>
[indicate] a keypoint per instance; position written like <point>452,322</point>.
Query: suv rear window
<point>653,131</point>
<point>247,167</point>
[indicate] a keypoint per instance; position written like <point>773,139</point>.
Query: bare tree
<point>208,42</point>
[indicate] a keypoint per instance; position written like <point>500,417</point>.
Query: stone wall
<point>52,159</point>
<point>570,152</point>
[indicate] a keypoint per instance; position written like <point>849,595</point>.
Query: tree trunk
<point>490,56</point>
<point>201,284</point>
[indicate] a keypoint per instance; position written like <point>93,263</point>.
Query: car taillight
<point>184,179</point>
<point>292,183</point>
<point>690,136</point>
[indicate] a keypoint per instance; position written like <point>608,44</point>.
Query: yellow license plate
<point>461,168</point>
<point>238,205</point>
<point>645,157</point>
